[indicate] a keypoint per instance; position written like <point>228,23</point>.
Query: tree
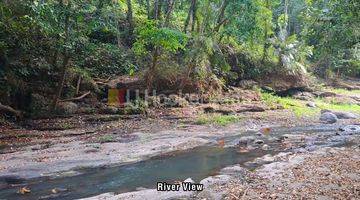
<point>149,36</point>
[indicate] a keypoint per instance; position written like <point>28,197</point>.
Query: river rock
<point>265,147</point>
<point>235,170</point>
<point>328,117</point>
<point>258,142</point>
<point>246,140</point>
<point>311,104</point>
<point>350,129</point>
<point>341,115</point>
<point>212,180</point>
<point>346,115</point>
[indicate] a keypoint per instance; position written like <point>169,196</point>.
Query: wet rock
<point>67,108</point>
<point>234,171</point>
<point>246,140</point>
<point>260,161</point>
<point>311,104</point>
<point>328,117</point>
<point>258,142</point>
<point>350,129</point>
<point>265,147</point>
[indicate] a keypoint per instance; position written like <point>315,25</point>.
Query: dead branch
<point>76,98</point>
<point>8,109</point>
<point>102,80</point>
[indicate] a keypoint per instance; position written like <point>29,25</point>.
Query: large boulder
<point>67,108</point>
<point>282,82</point>
<point>328,117</point>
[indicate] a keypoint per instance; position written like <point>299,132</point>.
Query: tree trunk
<point>78,85</point>
<point>266,32</point>
<point>129,16</point>
<point>170,8</point>
<point>66,58</point>
<point>148,9</point>
<point>152,69</point>
<point>221,20</point>
<point>191,15</point>
<point>156,9</point>
<point>61,82</point>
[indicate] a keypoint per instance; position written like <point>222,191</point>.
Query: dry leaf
<point>221,143</point>
<point>24,190</point>
<point>265,130</point>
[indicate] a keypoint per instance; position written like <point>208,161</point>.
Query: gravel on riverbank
<point>329,173</point>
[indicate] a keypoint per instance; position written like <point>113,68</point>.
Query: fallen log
<point>10,110</point>
<point>76,98</point>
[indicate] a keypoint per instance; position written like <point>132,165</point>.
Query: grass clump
<point>217,119</point>
<point>297,106</point>
<point>300,108</point>
<point>343,91</point>
<point>354,108</point>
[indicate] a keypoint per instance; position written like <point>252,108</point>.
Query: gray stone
<point>328,117</point>
<point>258,142</point>
<point>311,104</point>
<point>350,129</point>
<point>189,180</point>
<point>265,147</point>
<point>341,115</point>
<point>245,140</point>
<point>233,170</point>
<point>212,180</point>
<point>346,115</point>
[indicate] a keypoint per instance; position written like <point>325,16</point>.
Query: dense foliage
<point>47,45</point>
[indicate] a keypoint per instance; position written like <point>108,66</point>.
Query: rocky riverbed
<point>60,148</point>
